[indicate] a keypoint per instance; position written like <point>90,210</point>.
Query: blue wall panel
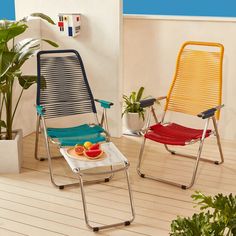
<point>226,8</point>
<point>7,9</point>
<point>221,8</point>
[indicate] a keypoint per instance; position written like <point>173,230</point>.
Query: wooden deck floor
<point>30,205</point>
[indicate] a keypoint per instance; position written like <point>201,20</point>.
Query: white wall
<point>150,50</point>
<point>98,44</point>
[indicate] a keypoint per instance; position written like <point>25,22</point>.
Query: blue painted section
<point>70,31</point>
<point>7,9</point>
<point>219,8</point>
<point>215,8</point>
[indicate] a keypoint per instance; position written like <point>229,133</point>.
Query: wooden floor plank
<point>8,232</point>
<point>30,205</point>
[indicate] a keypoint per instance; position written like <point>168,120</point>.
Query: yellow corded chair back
<point>197,83</point>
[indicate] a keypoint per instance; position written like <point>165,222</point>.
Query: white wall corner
<point>99,44</point>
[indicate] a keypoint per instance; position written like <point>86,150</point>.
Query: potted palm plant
<point>133,112</point>
<point>13,55</point>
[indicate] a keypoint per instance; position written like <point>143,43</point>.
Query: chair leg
<point>143,175</point>
<point>218,141</point>
<point>173,152</point>
<point>140,159</point>
<point>97,228</point>
<point>37,141</point>
<point>197,158</point>
<point>195,167</point>
<point>49,157</point>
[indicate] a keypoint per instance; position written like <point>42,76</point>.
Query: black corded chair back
<point>63,87</point>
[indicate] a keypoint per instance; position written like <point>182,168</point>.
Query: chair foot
<point>95,229</point>
<point>184,187</point>
<point>107,180</point>
<point>127,223</point>
<point>142,175</point>
<point>42,159</point>
<point>216,162</point>
<point>61,187</point>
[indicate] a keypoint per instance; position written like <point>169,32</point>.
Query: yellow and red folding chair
<point>196,90</point>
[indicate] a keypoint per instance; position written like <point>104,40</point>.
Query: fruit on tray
<point>93,153</point>
<point>79,149</point>
<point>95,146</point>
<point>87,145</point>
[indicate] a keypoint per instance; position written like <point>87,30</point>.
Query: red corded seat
<point>174,134</point>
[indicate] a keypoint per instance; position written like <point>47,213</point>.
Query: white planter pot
<point>133,122</point>
<point>11,154</point>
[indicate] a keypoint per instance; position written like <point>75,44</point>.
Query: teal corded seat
<point>77,135</point>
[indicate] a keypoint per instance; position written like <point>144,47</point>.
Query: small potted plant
<point>133,112</point>
<point>13,55</point>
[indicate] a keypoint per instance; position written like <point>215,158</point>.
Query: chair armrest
<point>210,112</point>
<point>104,104</point>
<point>147,102</point>
<point>40,110</point>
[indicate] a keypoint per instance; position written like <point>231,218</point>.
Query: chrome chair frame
<point>173,152</point>
<point>211,114</point>
<point>49,157</point>
<point>105,175</point>
<point>81,181</point>
<point>43,126</point>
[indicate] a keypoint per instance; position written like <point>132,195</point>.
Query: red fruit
<point>79,150</point>
<point>95,146</point>
<point>93,153</point>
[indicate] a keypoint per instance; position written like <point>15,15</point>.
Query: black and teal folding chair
<point>62,91</point>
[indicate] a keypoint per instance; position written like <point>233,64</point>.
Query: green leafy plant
<point>12,57</point>
<point>217,217</point>
<point>132,103</point>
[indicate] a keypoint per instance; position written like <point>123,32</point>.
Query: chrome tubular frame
<point>197,157</point>
<point>97,228</point>
<point>38,131</point>
<point>50,157</point>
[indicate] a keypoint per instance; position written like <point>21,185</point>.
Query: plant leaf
<point>25,43</point>
<point>6,61</point>
<point>133,97</point>
<point>27,80</point>
<point>44,17</point>
<point>11,31</point>
<point>24,56</point>
<point>219,219</point>
<point>140,94</point>
<point>4,88</point>
<point>51,43</point>
<point>3,124</point>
